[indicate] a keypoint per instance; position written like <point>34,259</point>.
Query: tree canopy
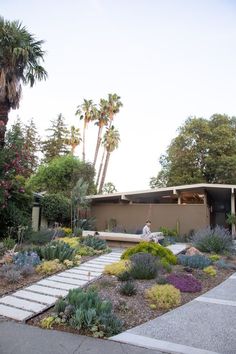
<point>203,151</point>
<point>62,174</point>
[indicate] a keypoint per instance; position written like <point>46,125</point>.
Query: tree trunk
<point>104,171</point>
<point>99,139</point>
<point>4,110</point>
<point>100,167</point>
<point>84,139</point>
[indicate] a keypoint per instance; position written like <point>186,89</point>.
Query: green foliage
<point>166,265</point>
<point>215,240</point>
<point>85,251</point>
<point>47,322</point>
<point>163,296</point>
<point>152,248</point>
<point>143,266</point>
<point>168,232</point>
<point>56,250</point>
<point>162,281</point>
<point>49,267</point>
<point>210,271</point>
<point>199,153</point>
<point>124,276</point>
<point>62,174</point>
<point>195,261</point>
<point>94,242</point>
<point>88,312</point>
<point>128,288</point>
<point>8,243</point>
<point>231,219</point>
<point>56,207</point>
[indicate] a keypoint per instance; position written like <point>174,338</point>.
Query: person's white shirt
<point>146,232</point>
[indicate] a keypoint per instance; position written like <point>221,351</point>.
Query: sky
<point>167,60</point>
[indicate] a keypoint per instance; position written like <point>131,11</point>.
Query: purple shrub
<point>185,282</point>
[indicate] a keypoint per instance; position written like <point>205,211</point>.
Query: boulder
<point>192,251</point>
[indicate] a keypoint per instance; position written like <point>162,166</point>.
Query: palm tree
<point>88,112</point>
<point>20,56</point>
<point>111,142</point>
<point>102,120</point>
<point>73,139</point>
<point>114,105</point>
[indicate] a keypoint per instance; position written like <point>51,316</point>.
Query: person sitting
<point>147,235</point>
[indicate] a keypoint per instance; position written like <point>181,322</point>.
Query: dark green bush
<point>40,237</point>
<point>124,276</point>
<point>153,248</point>
<point>128,288</point>
<point>215,240</point>
<point>94,242</point>
<point>56,207</point>
<point>162,281</point>
<point>143,266</point>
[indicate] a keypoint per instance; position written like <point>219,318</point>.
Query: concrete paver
<point>22,304</point>
<point>29,295</point>
<point>14,313</point>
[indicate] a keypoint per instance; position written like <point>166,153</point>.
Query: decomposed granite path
<point>30,301</point>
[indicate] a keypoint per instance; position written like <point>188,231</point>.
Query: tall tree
<point>102,120</point>
<point>32,144</point>
<point>20,57</point>
<point>87,112</point>
<point>114,105</point>
<point>111,142</point>
<point>55,144</point>
<point>203,151</point>
<point>109,188</point>
<point>73,139</point>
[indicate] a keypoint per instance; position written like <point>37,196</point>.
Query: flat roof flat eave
<point>164,189</point>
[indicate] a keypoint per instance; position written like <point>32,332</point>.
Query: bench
<point>115,239</point>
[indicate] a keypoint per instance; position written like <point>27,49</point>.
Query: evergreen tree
<point>55,144</point>
<point>32,144</point>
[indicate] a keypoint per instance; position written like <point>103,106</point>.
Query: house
<point>187,208</point>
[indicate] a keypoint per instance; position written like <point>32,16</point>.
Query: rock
<point>192,251</point>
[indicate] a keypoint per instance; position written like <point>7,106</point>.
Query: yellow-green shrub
<point>214,257</point>
<point>153,248</point>
<point>47,322</point>
<point>68,263</point>
<point>49,267</point>
<point>210,271</point>
<point>67,230</point>
<point>116,267</point>
<point>71,241</point>
<point>163,296</point>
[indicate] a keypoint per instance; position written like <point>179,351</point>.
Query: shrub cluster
<point>153,248</point>
<point>128,288</point>
<point>185,282</point>
<point>163,296</point>
<point>215,240</point>
<point>12,273</point>
<point>55,250</point>
<point>26,258</point>
<point>117,267</point>
<point>85,310</point>
<point>195,261</point>
<point>210,271</point>
<point>94,242</point>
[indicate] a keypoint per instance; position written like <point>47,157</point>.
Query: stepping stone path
<point>30,301</point>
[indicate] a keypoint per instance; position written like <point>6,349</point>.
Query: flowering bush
<point>26,258</point>
<point>185,282</point>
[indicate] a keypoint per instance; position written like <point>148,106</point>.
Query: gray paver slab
<point>72,281</point>
<point>14,313</point>
<point>54,284</point>
<point>200,325</point>
<point>22,304</point>
<point>48,291</point>
<point>77,275</point>
<point>29,295</point>
<point>94,265</point>
<point>92,268</point>
<point>102,262</point>
<point>224,291</point>
<point>82,270</point>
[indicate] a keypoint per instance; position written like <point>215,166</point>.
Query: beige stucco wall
<point>133,216</point>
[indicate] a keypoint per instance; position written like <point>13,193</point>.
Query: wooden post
<point>233,210</point>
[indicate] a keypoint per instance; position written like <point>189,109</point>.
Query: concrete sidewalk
<point>205,325</point>
<point>17,338</point>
